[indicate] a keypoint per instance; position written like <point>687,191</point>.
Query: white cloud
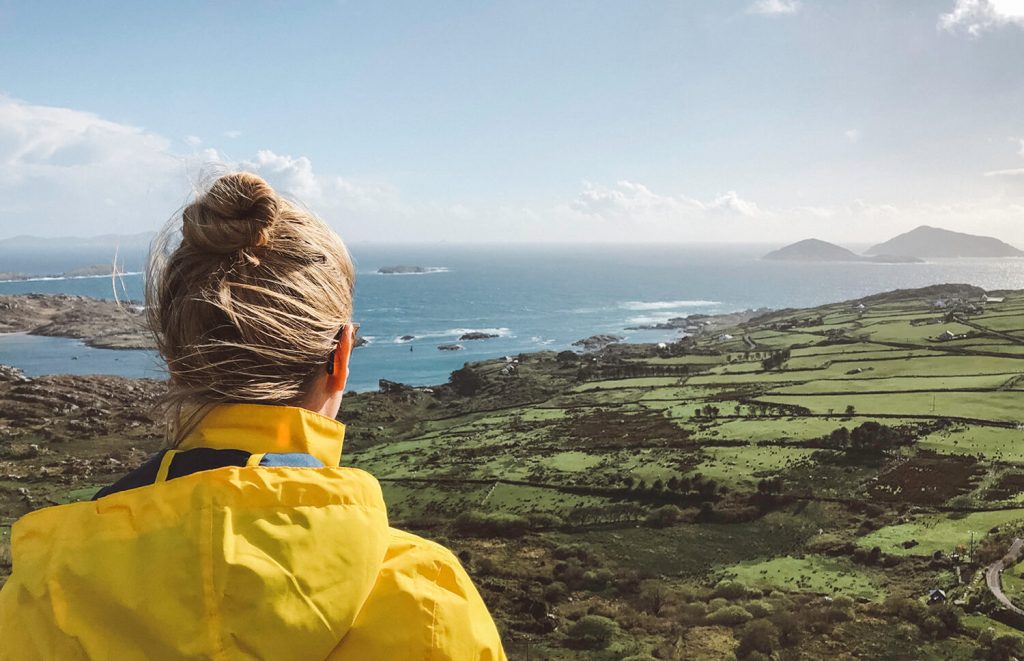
<point>977,16</point>
<point>774,7</point>
<point>193,141</point>
<point>852,135</point>
<point>66,172</point>
<point>631,202</point>
<point>232,134</point>
<point>1021,150</point>
<point>732,203</point>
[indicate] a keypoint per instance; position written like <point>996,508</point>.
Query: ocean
<point>532,296</point>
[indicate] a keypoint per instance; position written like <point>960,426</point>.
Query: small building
<point>946,336</point>
<point>936,596</point>
<point>724,337</point>
<point>861,307</point>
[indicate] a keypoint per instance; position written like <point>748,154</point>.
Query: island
<point>816,250</point>
<point>926,241</point>
<point>477,335</point>
<point>597,342</point>
<point>450,347</point>
<point>402,270</point>
<point>91,271</point>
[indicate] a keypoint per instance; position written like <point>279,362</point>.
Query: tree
<point>850,410</point>
<point>592,632</point>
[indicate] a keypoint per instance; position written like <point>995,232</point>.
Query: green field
<point>938,532</point>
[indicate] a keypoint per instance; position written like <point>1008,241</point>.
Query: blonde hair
<point>246,308</point>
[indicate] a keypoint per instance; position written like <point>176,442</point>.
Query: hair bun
<point>235,214</point>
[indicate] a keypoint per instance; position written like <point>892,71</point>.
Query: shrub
<point>556,592</point>
<point>1006,647</point>
<point>691,614</point>
<point>491,524</point>
<point>788,626</point>
<point>485,566</point>
<point>664,516</point>
<point>466,382</point>
<point>730,590</point>
<point>730,616</point>
<point>760,608</point>
<point>758,636</point>
<point>653,596</point>
<point>592,632</point>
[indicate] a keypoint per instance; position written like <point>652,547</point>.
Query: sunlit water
<point>533,297</point>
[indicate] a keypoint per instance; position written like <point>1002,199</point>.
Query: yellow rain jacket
<point>256,560</point>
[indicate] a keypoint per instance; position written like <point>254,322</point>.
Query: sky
<point>527,121</point>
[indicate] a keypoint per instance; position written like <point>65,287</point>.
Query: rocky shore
<point>63,434</point>
<point>99,323</point>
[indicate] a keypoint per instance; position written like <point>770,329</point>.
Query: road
<point>993,574</point>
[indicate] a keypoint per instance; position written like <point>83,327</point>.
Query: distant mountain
<point>928,241</point>
<point>813,250</point>
<point>124,241</point>
<point>39,256</point>
<point>816,250</point>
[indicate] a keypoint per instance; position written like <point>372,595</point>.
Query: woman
<point>244,539</point>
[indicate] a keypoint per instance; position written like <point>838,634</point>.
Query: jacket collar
<point>267,428</point>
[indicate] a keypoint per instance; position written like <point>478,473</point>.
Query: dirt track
<point>993,575</point>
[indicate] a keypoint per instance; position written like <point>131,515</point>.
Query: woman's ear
<point>339,374</point>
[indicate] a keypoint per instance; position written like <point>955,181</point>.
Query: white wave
<point>427,270</point>
<point>453,332</point>
<point>47,278</point>
<point>665,305</point>
<point>652,318</point>
<point>537,339</point>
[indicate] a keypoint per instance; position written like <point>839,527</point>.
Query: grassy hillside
<point>840,454</point>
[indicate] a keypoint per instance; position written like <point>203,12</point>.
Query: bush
<point>788,626</point>
<point>758,636</point>
<point>730,590</point>
<point>692,614</point>
<point>466,382</point>
<point>555,593</point>
<point>730,616</point>
<point>491,524</point>
<point>760,608</point>
<point>1006,647</point>
<point>664,516</point>
<point>592,632</point>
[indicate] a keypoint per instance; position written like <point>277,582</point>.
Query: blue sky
<point>761,120</point>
